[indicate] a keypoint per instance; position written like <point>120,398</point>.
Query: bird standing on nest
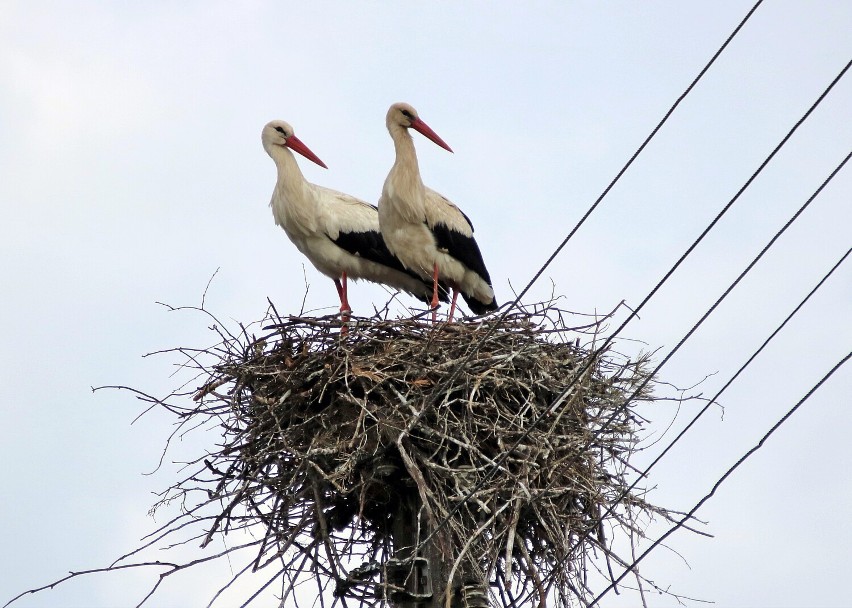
<point>428,233</point>
<point>338,233</point>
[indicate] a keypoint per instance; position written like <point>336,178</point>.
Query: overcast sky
<point>131,170</point>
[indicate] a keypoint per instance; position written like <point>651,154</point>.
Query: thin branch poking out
<point>324,443</point>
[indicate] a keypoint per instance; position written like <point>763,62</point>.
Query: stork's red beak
<point>421,127</point>
<point>295,144</point>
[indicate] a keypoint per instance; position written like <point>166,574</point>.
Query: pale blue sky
<point>131,169</point>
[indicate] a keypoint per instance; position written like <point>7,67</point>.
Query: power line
<point>738,372</point>
<point>726,292</point>
<point>632,158</point>
<point>590,360</point>
<point>475,347</point>
<point>718,483</point>
<point>714,398</point>
<point>439,387</point>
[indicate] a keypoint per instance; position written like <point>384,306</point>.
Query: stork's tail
<point>478,307</point>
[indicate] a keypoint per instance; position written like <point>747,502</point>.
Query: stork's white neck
<point>285,162</point>
<point>293,203</point>
<point>406,155</point>
<point>404,184</point>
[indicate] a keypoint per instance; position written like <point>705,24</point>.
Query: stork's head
<point>280,133</point>
<point>405,116</point>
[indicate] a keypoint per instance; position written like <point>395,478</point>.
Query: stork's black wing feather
<point>465,250</point>
<point>371,246</point>
<point>461,247</point>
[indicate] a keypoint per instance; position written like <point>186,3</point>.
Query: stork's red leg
<point>344,299</point>
<point>435,294</point>
<point>344,302</point>
<point>453,305</point>
<point>340,293</point>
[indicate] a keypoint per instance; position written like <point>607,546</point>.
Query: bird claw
<point>344,319</point>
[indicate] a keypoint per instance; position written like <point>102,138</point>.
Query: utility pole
<point>410,571</point>
<point>419,570</point>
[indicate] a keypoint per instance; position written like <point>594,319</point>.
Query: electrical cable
<point>584,536</point>
<point>632,158</point>
<point>590,360</point>
<point>474,347</point>
<point>643,474</point>
<point>718,483</point>
<point>725,294</point>
<point>754,355</point>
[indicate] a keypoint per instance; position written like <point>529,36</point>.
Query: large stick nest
<point>502,454</point>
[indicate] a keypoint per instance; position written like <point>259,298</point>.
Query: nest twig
<point>455,465</point>
<point>326,442</point>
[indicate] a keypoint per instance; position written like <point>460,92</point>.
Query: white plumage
<point>338,233</point>
<point>430,235</point>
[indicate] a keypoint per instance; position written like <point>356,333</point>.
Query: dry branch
<point>326,442</point>
<point>350,461</point>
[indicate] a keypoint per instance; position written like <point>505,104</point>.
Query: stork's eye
<point>281,130</point>
<point>407,114</point>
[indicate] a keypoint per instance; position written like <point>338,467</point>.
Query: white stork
<point>428,233</point>
<point>338,233</point>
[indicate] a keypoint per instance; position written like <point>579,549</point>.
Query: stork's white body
<point>335,231</point>
<point>408,227</point>
<point>428,233</point>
